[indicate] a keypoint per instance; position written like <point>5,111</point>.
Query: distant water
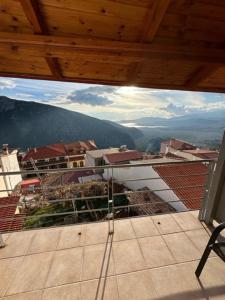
<point>140,126</point>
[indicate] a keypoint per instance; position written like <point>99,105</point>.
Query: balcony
<point>124,255</point>
<point>152,257</point>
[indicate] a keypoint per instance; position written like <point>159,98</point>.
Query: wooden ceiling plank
<point>200,74</point>
<point>55,46</point>
<point>32,12</point>
<point>153,19</point>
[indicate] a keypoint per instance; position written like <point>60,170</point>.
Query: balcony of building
<point>151,257</point>
<point>148,249</point>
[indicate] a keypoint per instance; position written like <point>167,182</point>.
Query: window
<point>75,164</point>
<point>81,163</point>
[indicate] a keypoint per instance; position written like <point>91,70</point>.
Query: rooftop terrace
<point>146,258</point>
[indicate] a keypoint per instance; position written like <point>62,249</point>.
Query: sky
<point>110,102</point>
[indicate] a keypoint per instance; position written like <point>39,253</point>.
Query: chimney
<point>5,149</point>
<point>35,149</point>
<point>123,148</point>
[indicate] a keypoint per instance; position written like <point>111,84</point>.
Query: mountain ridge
<point>30,124</point>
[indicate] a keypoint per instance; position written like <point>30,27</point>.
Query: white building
<point>8,163</point>
<point>123,175</point>
<point>95,157</point>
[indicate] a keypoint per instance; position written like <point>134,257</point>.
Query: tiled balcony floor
<point>146,258</point>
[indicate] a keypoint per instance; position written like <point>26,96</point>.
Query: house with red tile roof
<point>186,181</point>
<point>58,155</point>
<point>122,157</point>
<point>175,144</point>
<point>203,153</point>
<point>10,220</point>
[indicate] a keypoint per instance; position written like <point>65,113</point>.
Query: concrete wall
<point>9,163</point>
<point>155,184</point>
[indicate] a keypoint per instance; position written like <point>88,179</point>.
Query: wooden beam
<point>199,75</point>
<point>153,19</point>
<point>57,46</point>
<point>113,82</point>
<point>32,12</point>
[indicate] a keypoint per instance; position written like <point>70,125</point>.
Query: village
<point>71,183</point>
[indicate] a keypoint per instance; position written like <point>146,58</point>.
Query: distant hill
<point>28,124</point>
<point>132,131</point>
<point>203,129</point>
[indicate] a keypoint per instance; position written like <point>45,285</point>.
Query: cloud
<point>7,84</point>
<point>94,96</point>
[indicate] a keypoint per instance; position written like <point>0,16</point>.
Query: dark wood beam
<point>57,46</point>
<point>113,82</point>
<point>199,75</point>
<point>153,19</point>
<point>33,14</point>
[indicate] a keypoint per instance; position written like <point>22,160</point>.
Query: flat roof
<point>150,43</point>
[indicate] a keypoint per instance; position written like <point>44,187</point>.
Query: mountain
<point>202,120</point>
<point>29,124</point>
<point>133,132</point>
<point>200,128</point>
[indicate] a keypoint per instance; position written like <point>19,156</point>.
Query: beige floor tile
<point>8,270</point>
<point>17,244</point>
<point>98,261</point>
<point>181,247</point>
<point>200,239</point>
<point>127,256</point>
<point>172,283</point>
<point>144,227</point>
<point>213,275</point>
<point>44,240</point>
<point>97,233</point>
<point>64,292</point>
<point>156,252</point>
<point>25,296</point>
<point>72,236</point>
<point>32,273</point>
<point>187,221</point>
<point>166,224</point>
<point>104,288</point>
<point>123,230</point>
<point>136,286</point>
<point>66,267</point>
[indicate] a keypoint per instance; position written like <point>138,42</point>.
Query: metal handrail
<point>65,170</point>
<point>111,208</point>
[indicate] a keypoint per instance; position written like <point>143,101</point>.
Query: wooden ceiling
<point>168,44</point>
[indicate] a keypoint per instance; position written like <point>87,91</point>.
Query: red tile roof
<point>9,221</point>
<point>191,197</point>
<point>204,154</point>
<point>49,151</point>
<point>172,155</point>
<point>27,182</point>
<point>179,145</point>
<point>60,149</point>
<point>123,156</point>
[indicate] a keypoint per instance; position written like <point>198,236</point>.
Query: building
<point>122,157</point>
<point>31,185</point>
<point>178,149</point>
<point>174,145</point>
<point>10,218</point>
<point>146,177</point>
<point>8,163</point>
<point>95,157</point>
<point>187,181</point>
<point>57,155</point>
<point>111,156</point>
